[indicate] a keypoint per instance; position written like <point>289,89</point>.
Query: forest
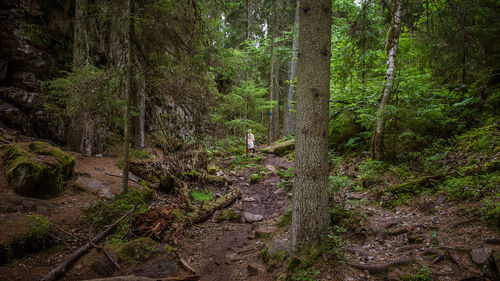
<point>220,140</point>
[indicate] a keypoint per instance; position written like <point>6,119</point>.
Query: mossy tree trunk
<point>310,215</point>
<point>128,95</point>
<point>377,145</point>
<point>288,117</point>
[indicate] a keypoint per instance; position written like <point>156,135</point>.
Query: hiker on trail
<point>251,140</point>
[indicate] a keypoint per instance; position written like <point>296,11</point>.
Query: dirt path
<point>229,251</point>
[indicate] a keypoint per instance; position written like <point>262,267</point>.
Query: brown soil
<point>224,251</point>
<point>422,230</point>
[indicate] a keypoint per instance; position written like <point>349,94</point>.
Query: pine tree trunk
<point>377,145</point>
<point>288,117</point>
<point>310,216</point>
<point>128,95</point>
<point>274,80</point>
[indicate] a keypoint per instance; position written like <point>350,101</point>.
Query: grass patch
<point>203,195</point>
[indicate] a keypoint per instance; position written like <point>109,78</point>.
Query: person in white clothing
<point>251,140</point>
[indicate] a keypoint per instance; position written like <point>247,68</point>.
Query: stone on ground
<point>480,255</point>
<point>250,218</point>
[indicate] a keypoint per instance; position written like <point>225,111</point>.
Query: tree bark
<point>377,145</point>
<point>310,215</point>
<point>288,117</point>
<point>274,125</point>
<point>128,94</point>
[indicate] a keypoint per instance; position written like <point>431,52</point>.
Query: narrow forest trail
<point>229,250</point>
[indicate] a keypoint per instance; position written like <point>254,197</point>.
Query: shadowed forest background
<point>142,108</point>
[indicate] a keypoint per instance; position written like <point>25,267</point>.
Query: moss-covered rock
<point>229,215</point>
<point>284,147</point>
<point>37,169</point>
<point>21,234</point>
<point>138,250</point>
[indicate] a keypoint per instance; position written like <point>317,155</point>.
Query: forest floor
<point>427,238</point>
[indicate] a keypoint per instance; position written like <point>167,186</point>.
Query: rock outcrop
<point>37,169</point>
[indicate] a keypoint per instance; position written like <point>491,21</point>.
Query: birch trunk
<point>377,145</point>
<point>289,117</point>
<point>310,216</point>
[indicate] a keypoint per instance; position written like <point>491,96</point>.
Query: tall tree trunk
<point>128,95</point>
<point>310,216</point>
<point>83,137</point>
<point>274,125</point>
<point>377,145</point>
<point>288,117</point>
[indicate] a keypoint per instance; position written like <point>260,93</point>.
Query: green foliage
<point>422,274</point>
<point>310,274</point>
<point>203,195</point>
<point>337,183</point>
<point>39,226</point>
<point>103,213</point>
<point>471,187</point>
<point>88,93</point>
<point>255,178</point>
<point>491,210</point>
<point>229,215</point>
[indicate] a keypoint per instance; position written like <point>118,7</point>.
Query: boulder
<point>21,234</point>
<point>277,247</point>
<point>284,147</point>
<point>271,169</point>
<point>37,169</point>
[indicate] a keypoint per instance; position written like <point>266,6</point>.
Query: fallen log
<point>383,267</point>
<point>220,203</point>
<point>66,263</point>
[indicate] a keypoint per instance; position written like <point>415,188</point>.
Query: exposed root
<point>408,248</point>
<point>459,223</point>
<point>378,268</point>
<point>357,251</point>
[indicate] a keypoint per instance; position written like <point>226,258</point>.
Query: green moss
<point>212,169</point>
<point>30,175</point>
<point>284,147</point>
<point>229,215</point>
<point>255,178</point>
<point>22,234</point>
<point>272,261</point>
<point>203,195</point>
<point>39,226</point>
<point>169,249</point>
<point>137,250</point>
<point>286,219</point>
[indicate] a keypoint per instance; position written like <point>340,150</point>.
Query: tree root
<point>378,268</point>
<point>357,251</point>
<point>408,248</point>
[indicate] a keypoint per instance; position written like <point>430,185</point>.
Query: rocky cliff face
<point>35,44</point>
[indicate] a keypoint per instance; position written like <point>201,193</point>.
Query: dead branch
<point>64,265</point>
<point>378,268</point>
<point>459,223</point>
<point>102,248</point>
